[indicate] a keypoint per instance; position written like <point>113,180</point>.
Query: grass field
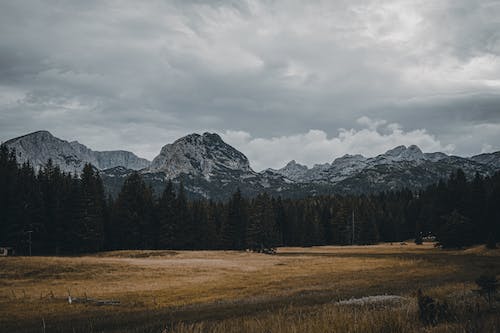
<point>297,290</point>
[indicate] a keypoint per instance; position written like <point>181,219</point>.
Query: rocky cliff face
<point>114,158</point>
<point>38,147</point>
<point>492,159</point>
<point>199,155</point>
<point>293,171</point>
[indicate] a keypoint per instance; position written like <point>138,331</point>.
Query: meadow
<point>317,289</point>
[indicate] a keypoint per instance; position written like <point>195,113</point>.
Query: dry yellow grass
<point>158,287</point>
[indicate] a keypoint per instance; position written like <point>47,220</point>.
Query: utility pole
<point>29,240</point>
<point>352,227</point>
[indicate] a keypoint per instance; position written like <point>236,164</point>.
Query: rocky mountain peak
<point>292,170</point>
<point>396,151</point>
<point>294,164</point>
<point>434,157</point>
<point>41,133</point>
<point>197,154</point>
<point>402,153</point>
<point>40,146</point>
<point>348,158</point>
<point>349,165</point>
<point>212,137</point>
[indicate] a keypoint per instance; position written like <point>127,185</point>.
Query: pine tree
<point>132,215</point>
<point>476,208</point>
<point>166,216</point>
<point>313,230</point>
<point>15,190</point>
<point>233,229</point>
<point>456,232</point>
<point>493,211</point>
<point>365,219</point>
<point>281,220</point>
<point>183,224</point>
<point>341,221</point>
<point>204,235</point>
<point>262,233</point>
<point>90,226</point>
<point>55,188</point>
<point>212,240</point>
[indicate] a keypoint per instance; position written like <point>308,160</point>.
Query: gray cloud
<point>138,75</point>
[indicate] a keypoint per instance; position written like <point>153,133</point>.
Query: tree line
<point>58,213</point>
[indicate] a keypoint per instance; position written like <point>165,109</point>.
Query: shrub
<point>488,285</point>
<point>430,310</point>
<point>419,239</point>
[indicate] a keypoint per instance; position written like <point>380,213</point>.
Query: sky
<point>279,80</point>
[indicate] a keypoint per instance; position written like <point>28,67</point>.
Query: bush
<point>430,310</point>
<point>419,240</point>
<point>488,285</point>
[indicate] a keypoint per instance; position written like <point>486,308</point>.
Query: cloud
<point>137,75</point>
<point>373,124</point>
<point>315,147</point>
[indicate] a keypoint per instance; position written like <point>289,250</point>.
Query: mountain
<point>347,165</point>
<point>38,147</point>
<point>293,171</point>
<point>400,167</point>
<point>492,159</point>
<point>210,168</point>
<point>200,155</point>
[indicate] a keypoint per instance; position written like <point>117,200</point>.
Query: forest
<point>51,212</point>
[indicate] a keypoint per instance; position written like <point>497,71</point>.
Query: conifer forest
<point>51,212</point>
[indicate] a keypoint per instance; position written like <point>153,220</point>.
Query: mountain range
<point>210,168</point>
<point>38,147</point>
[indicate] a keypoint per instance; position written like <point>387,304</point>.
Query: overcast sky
<point>279,80</point>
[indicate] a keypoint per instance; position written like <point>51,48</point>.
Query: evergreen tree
<point>90,225</point>
<point>184,228</point>
<point>313,229</point>
<point>55,187</point>
<point>492,217</point>
<point>233,230</point>
<point>368,232</point>
<point>213,217</point>
<point>456,232</point>
<point>341,222</point>
<point>132,215</point>
<point>166,217</point>
<point>281,220</point>
<point>262,233</point>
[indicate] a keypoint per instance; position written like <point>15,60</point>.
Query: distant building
<point>6,251</point>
